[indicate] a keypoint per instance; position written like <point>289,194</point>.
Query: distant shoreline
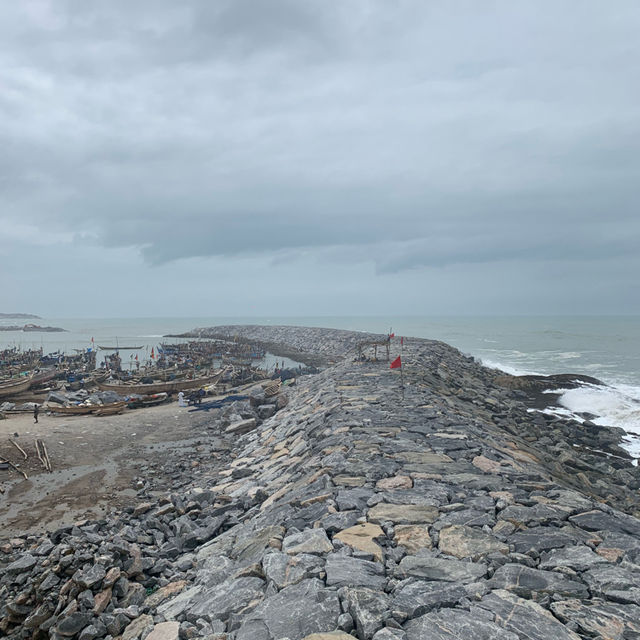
<point>20,316</point>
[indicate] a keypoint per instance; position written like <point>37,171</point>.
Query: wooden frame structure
<point>366,344</point>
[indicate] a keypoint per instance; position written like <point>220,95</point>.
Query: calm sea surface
<point>605,347</point>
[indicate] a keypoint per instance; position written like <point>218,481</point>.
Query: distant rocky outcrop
<point>443,509</point>
<point>21,316</point>
<point>31,327</point>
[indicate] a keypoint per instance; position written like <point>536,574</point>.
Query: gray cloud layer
<point>411,134</point>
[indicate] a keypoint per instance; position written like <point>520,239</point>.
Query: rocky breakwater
<point>444,510</point>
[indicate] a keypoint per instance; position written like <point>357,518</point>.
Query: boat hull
<point>12,388</point>
<point>172,386</point>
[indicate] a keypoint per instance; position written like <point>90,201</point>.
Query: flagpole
<point>402,365</point>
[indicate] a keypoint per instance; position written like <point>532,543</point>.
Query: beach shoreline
<point>95,460</point>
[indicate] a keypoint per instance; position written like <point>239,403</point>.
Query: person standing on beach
<point>36,410</point>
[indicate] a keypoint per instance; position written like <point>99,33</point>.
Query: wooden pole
<point>19,448</point>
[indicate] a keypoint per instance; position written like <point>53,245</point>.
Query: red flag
<point>136,356</point>
<point>401,341</point>
<point>392,335</point>
<point>396,364</point>
<point>152,353</point>
<point>91,339</point>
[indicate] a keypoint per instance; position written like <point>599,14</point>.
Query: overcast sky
<point>294,157</point>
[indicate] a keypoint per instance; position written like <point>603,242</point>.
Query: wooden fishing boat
<point>11,387</point>
<point>86,409</point>
<point>43,376</point>
<point>73,410</point>
<point>118,348</point>
<point>110,409</point>
<point>148,401</point>
<point>173,386</point>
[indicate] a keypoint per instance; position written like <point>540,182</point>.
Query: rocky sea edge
<point>348,506</point>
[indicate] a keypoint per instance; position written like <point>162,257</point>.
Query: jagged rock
<point>539,539</point>
<point>432,568</point>
<point>390,634</point>
<point>165,631</point>
<point>362,537</point>
<point>578,558</point>
<point>230,596</point>
<point>415,598</point>
<point>111,577</point>
<point>614,583</point>
<point>22,564</point>
<point>138,627</point>
<point>455,624</point>
<point>413,537</point>
<point>49,581</point>
<point>343,571</point>
<point>395,482</point>
<point>136,594</point>
<point>265,411</point>
<point>537,515</point>
<point>525,618</point>
<point>251,546</point>
<point>368,608</point>
<point>92,631</point>
<point>39,615</point>
<point>295,612</point>
<point>466,542</point>
<point>179,604</point>
<point>73,624</point>
<point>242,426</point>
<point>606,620</point>
<point>597,520</point>
<point>334,522</point>
<point>402,514</point>
<point>312,541</point>
<point>284,570</point>
<point>165,592</point>
<point>102,600</point>
<point>524,581</point>
<point>332,635</point>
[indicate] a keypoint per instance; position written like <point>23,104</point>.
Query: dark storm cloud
<point>411,134</point>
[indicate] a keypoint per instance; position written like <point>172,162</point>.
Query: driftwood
<point>46,456</point>
<point>26,477</point>
<point>19,448</point>
<point>43,455</point>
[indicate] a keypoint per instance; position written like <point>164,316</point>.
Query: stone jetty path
<point>347,506</point>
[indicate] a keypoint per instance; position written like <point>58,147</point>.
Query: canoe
<point>44,376</point>
<point>85,409</point>
<point>73,410</point>
<point>126,389</point>
<point>12,387</point>
<point>110,409</point>
<point>118,348</point>
<point>148,401</point>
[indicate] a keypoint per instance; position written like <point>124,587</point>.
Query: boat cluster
<point>78,385</point>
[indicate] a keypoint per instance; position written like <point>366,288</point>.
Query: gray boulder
<point>345,571</point>
<point>455,624</point>
<point>524,581</point>
<point>295,612</point>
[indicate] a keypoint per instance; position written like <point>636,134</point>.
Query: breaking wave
<point>617,405</point>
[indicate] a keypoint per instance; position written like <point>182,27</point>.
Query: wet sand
<point>95,461</point>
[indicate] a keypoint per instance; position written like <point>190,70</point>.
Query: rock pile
<point>444,510</point>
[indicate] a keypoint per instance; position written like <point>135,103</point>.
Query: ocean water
<point>605,347</point>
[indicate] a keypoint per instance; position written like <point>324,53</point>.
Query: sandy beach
<point>94,459</point>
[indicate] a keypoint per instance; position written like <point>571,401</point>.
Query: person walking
<point>36,410</point>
